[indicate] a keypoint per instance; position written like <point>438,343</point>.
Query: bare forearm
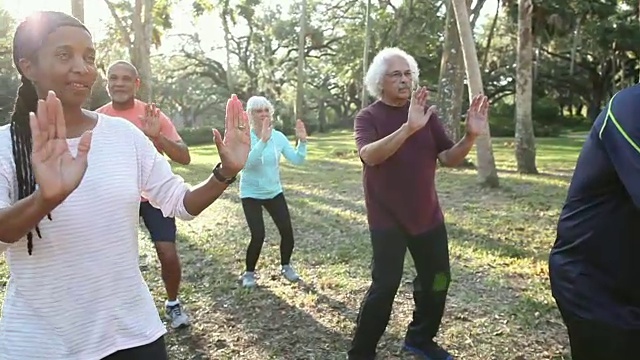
<point>379,151</point>
<point>202,195</point>
<point>176,151</point>
<point>455,156</point>
<point>17,220</point>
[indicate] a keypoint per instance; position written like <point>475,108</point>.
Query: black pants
<point>430,252</point>
<point>593,340</point>
<point>157,350</point>
<point>279,211</point>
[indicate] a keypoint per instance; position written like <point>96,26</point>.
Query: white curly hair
<point>258,102</point>
<point>378,68</point>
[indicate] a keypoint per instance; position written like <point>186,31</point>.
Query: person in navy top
<point>594,265</point>
<point>260,186</point>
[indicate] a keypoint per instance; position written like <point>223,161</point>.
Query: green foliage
<point>201,7</point>
<point>601,35</point>
<point>9,81</point>
<point>197,136</point>
<point>192,83</point>
<point>161,20</point>
<point>548,120</point>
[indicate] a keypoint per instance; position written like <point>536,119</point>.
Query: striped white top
<point>81,295</point>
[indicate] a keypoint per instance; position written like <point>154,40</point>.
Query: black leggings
<point>157,350</point>
<point>430,253</point>
<point>279,211</point>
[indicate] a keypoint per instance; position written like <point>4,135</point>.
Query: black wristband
<point>219,177</point>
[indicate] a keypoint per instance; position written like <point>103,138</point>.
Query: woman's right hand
<point>56,171</point>
<point>267,126</point>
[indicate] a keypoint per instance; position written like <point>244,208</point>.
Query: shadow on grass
<point>564,175</point>
<point>470,239</point>
<point>271,323</point>
<point>281,329</point>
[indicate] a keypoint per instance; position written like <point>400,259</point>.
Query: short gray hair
<point>131,67</point>
<point>259,102</point>
<point>378,68</point>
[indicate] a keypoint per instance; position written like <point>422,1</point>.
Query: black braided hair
<point>29,37</point>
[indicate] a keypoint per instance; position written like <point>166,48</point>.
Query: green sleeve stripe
<point>618,126</point>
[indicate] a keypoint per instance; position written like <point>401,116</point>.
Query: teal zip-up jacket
<point>260,178</point>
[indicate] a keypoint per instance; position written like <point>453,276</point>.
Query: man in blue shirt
<point>594,265</point>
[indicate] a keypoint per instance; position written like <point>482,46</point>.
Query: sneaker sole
<point>291,280</point>
<point>417,351</point>
<point>182,325</point>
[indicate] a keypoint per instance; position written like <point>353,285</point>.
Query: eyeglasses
<point>397,75</point>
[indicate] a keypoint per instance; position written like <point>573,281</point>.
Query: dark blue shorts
<point>160,228</point>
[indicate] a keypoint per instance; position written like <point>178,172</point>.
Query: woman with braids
<point>69,196</point>
<point>260,186</point>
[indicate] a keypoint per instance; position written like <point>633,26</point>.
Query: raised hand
<point>418,117</point>
<point>477,116</point>
<point>56,171</point>
<point>301,131</point>
<point>235,146</point>
<point>267,127</point>
<point>151,121</point>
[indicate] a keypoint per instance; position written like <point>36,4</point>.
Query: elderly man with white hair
<point>399,140</point>
<point>260,185</point>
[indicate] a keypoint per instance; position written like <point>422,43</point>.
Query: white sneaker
<point>176,316</point>
<point>249,279</point>
<point>289,273</point>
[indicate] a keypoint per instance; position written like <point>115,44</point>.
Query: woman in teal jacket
<point>260,185</point>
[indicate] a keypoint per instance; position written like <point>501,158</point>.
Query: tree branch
<point>122,29</point>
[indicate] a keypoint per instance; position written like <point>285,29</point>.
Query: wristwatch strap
<point>219,177</point>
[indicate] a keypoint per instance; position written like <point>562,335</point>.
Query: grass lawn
<point>499,305</point>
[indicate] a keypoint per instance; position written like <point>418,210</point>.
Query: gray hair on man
<point>378,69</point>
<point>126,63</point>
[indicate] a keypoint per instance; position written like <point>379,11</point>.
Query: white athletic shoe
<point>289,273</point>
<point>176,316</point>
<point>249,279</point>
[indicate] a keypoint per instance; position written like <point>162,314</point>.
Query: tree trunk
<point>145,61</point>
<point>140,51</point>
<point>322,115</point>
<point>525,140</point>
<point>77,9</point>
<point>451,79</point>
<point>487,48</point>
<point>574,51</point>
<point>447,78</point>
<point>365,56</point>
<point>487,173</point>
<point>301,57</point>
<point>227,44</point>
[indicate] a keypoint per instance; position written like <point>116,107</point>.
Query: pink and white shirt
<point>81,295</point>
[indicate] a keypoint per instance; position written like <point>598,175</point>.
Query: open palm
<point>151,121</point>
<point>301,131</point>
<point>418,115</point>
<point>56,171</point>
<point>477,116</point>
<point>234,147</point>
<point>267,127</point>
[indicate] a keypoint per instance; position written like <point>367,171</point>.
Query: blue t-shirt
<point>260,178</point>
<point>594,265</point>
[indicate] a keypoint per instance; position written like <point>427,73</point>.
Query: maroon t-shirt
<point>401,192</point>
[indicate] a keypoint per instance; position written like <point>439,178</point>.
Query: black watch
<point>219,177</point>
